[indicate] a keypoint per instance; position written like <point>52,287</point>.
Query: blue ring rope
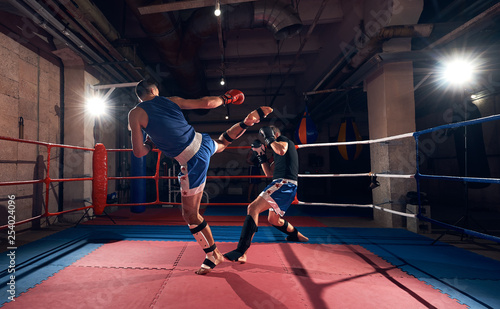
<point>460,229</point>
<point>458,178</point>
<point>458,124</point>
<point>454,178</point>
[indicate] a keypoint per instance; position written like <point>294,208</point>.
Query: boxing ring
<point>100,178</point>
<point>299,266</point>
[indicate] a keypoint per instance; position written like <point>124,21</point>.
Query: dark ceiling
<point>274,51</point>
<point>257,46</point>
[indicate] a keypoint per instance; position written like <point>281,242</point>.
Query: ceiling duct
<point>279,17</point>
<point>179,48</point>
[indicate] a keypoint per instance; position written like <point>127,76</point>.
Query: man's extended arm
<point>230,97</point>
<point>202,103</point>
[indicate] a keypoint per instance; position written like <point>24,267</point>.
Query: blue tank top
<point>167,126</point>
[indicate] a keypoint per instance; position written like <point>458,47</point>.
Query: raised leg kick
<point>238,129</point>
<point>201,232</point>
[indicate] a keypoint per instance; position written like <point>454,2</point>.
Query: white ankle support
<point>197,231</point>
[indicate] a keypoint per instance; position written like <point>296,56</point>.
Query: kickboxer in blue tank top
<point>166,128</point>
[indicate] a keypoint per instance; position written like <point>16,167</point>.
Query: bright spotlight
<point>458,72</point>
<point>217,8</point>
<point>96,106</point>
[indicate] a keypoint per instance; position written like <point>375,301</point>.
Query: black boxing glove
<point>259,151</point>
<point>268,135</point>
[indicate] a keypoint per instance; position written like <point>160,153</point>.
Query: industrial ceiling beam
<point>43,18</point>
<point>184,5</point>
<point>475,22</point>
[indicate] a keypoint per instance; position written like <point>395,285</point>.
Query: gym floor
<point>148,260</point>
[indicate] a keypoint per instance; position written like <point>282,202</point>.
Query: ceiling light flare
<point>222,81</point>
<point>458,72</point>
<point>217,8</point>
<point>96,106</point>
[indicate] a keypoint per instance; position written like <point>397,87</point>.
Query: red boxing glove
<point>233,96</point>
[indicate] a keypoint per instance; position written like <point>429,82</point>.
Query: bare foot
<point>230,257</point>
<point>243,259</point>
<point>205,269</point>
<point>299,238</point>
<point>219,258</point>
<point>254,118</point>
<point>302,238</point>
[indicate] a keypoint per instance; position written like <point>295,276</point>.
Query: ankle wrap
<point>283,227</point>
<point>249,228</point>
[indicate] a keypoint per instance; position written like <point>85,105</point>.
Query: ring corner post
<point>100,178</point>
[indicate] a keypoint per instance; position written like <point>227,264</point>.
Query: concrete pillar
<point>78,131</point>
<point>391,111</point>
<point>391,108</point>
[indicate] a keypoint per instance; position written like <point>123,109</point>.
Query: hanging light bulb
<point>217,8</point>
<point>222,81</point>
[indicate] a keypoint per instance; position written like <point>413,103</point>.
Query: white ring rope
<point>395,212</point>
<point>356,175</point>
<point>393,175</point>
<point>379,140</point>
<point>335,204</point>
<point>372,141</point>
<point>361,206</point>
<point>417,175</point>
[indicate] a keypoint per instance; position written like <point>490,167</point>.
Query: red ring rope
<point>100,179</point>
<point>47,180</point>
